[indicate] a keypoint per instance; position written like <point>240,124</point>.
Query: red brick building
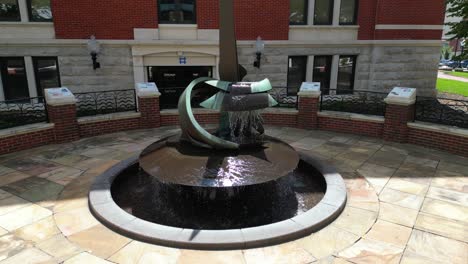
<point>344,44</point>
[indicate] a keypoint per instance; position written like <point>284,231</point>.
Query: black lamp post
<point>94,48</point>
<point>260,46</point>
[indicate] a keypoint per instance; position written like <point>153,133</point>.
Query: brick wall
<point>208,14</point>
<point>278,119</point>
<point>308,109</point>
<point>108,126</point>
<point>396,122</point>
<point>203,119</point>
<point>150,112</point>
<point>366,19</point>
<point>26,141</point>
<point>414,12</point>
<point>116,19</point>
<point>266,18</point>
<point>400,12</point>
<point>445,142</point>
<point>64,119</point>
<point>107,19</point>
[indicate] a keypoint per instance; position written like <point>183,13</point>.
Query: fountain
<point>229,188</point>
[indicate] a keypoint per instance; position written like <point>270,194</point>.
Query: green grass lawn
<point>459,74</point>
<point>455,87</point>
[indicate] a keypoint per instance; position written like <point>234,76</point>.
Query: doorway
<point>172,80</point>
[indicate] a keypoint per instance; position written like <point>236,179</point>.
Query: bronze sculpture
<point>237,101</point>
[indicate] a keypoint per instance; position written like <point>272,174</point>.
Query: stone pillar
<point>61,110</point>
<point>308,106</point>
<point>399,111</point>
<point>148,104</point>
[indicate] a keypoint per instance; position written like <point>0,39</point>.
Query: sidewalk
<point>443,75</point>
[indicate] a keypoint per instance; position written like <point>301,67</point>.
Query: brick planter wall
<point>396,120</point>
<point>308,109</point>
<point>150,112</point>
<point>27,140</point>
<point>396,126</point>
<point>66,125</point>
<point>444,141</point>
<point>172,119</point>
<point>109,126</point>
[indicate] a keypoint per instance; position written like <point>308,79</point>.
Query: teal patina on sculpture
<point>238,102</point>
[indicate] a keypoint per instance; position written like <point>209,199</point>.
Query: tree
<point>459,30</point>
<point>446,52</point>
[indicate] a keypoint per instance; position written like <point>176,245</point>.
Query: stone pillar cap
<point>401,96</point>
<point>147,90</point>
<point>310,89</point>
<point>59,96</point>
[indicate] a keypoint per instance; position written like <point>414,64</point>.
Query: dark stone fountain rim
<point>111,215</point>
<point>173,142</point>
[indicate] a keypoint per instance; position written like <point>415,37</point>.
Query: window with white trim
<point>16,71</point>
<point>323,12</point>
<point>25,11</point>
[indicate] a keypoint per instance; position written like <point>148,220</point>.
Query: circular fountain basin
<point>180,163</point>
<point>221,203</point>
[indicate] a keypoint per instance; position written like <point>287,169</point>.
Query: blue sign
<point>182,60</point>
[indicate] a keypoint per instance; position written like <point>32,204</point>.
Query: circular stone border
<point>103,207</point>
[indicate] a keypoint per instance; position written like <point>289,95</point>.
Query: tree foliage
<point>446,52</point>
<point>458,8</point>
<point>458,30</point>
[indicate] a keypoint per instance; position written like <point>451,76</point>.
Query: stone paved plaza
<point>406,204</point>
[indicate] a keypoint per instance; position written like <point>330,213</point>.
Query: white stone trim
<point>451,130</point>
<point>309,94</point>
<point>310,68</point>
<point>214,44</point>
<point>334,72</point>
<point>14,131</point>
<point>178,31</point>
<point>138,69</point>
<point>323,33</point>
<point>23,8</point>
<point>310,12</point>
<point>336,12</point>
<point>30,76</point>
<point>108,117</point>
<point>2,94</point>
<point>352,116</point>
<point>196,111</point>
<point>405,27</point>
<point>280,110</point>
<point>27,30</point>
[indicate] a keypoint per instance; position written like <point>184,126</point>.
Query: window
<point>346,71</point>
<point>177,12</point>
<point>322,72</point>
<point>15,83</point>
<point>39,10</point>
<point>298,12</point>
<point>323,13</point>
<point>47,73</point>
<point>9,10</point>
<point>348,12</point>
<point>297,66</point>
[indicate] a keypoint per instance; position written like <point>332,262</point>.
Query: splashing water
<point>246,126</point>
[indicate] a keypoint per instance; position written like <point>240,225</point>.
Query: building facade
<point>344,44</point>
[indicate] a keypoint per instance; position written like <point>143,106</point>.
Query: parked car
<point>464,63</point>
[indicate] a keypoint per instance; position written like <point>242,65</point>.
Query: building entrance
<point>172,80</point>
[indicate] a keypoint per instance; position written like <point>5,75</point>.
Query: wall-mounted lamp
<point>94,48</point>
<point>260,46</point>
